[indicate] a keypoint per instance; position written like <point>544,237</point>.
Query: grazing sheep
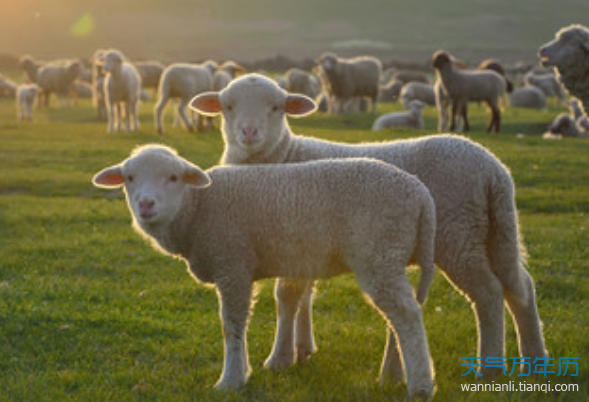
<point>478,245</point>
<point>234,69</point>
<point>236,225</point>
<point>27,96</point>
<point>122,89</point>
<point>58,77</point>
<point>547,83</point>
<point>7,87</point>
<point>567,55</point>
<point>411,119</point>
<point>390,91</point>
<point>528,97</point>
<point>151,72</point>
<point>347,79</point>
<point>406,76</point>
<point>577,112</point>
<point>565,125</point>
<point>418,90</point>
<point>182,82</point>
<point>299,81</point>
<point>466,86</point>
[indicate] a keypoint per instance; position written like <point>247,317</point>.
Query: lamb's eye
<point>130,178</point>
<point>275,108</point>
<point>173,178</point>
<point>229,108</point>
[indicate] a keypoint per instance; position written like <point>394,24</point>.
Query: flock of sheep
<point>338,85</point>
<point>309,209</point>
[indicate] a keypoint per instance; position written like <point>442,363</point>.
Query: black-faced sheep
<point>236,225</point>
<point>478,245</point>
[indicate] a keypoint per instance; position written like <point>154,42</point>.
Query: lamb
<point>98,74</point>
<point>390,91</point>
<point>302,82</point>
<point>411,119</point>
<point>577,113</point>
<point>58,77</point>
<point>418,90</point>
<point>347,79</point>
<point>464,86</point>
<point>234,69</point>
<point>151,72</point>
<point>236,225</point>
<point>495,65</point>
<point>567,55</point>
<point>182,82</point>
<point>27,96</point>
<point>30,67</point>
<point>122,88</point>
<point>565,125</point>
<point>7,87</point>
<point>547,83</point>
<point>528,97</point>
<point>478,245</point>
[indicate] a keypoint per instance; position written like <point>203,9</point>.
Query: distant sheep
<point>577,112</point>
<point>390,91</point>
<point>299,81</point>
<point>495,65</point>
<point>182,82</point>
<point>463,86</point>
<point>98,74</point>
<point>547,83</point>
<point>151,72</point>
<point>565,125</point>
<point>478,245</point>
<point>233,69</point>
<point>7,87</point>
<point>418,91</point>
<point>567,54</point>
<point>27,96</point>
<point>346,80</point>
<point>58,77</point>
<point>236,225</point>
<point>30,67</point>
<point>122,89</point>
<point>411,119</point>
<point>528,97</point>
<point>221,79</point>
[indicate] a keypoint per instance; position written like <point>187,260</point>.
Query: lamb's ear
<point>207,103</point>
<point>195,176</point>
<point>299,105</point>
<point>111,177</point>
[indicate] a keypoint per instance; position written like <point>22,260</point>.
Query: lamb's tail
<point>425,249</point>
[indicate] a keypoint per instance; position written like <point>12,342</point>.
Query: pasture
<point>89,312</point>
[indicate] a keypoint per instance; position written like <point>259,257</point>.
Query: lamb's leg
<point>182,112</point>
<point>235,299</point>
<point>159,110</point>
<point>453,113</point>
<point>111,117</point>
<point>392,366</point>
<point>464,110</point>
<point>392,294</point>
<point>128,116</point>
<point>292,296</point>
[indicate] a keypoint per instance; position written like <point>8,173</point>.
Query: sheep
<point>83,89</point>
<point>565,125</point>
<point>122,89</point>
<point>151,72</point>
<point>98,74</point>
<point>464,86</point>
<point>567,55</point>
<point>27,96</point>
<point>528,97</point>
<point>236,225</point>
<point>221,79</point>
<point>390,91</point>
<point>411,119</point>
<point>547,83</point>
<point>418,90</point>
<point>347,79</point>
<point>478,245</point>
<point>577,112</point>
<point>495,65</point>
<point>234,69</point>
<point>302,82</point>
<point>30,67</point>
<point>7,87</point>
<point>58,77</point>
<point>183,82</point>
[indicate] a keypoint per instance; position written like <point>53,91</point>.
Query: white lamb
<point>122,88</point>
<point>236,225</point>
<point>410,119</point>
<point>182,82</point>
<point>27,96</point>
<point>420,91</point>
<point>478,245</point>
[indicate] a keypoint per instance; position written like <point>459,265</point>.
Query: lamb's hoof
<point>304,352</point>
<point>421,396</point>
<point>277,362</point>
<point>226,384</point>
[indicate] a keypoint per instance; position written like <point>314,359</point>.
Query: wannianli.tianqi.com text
<point>513,386</point>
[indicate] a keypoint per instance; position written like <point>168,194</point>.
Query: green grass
<point>89,312</point>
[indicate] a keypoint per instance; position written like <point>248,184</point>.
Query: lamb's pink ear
<point>195,176</point>
<point>111,177</point>
<point>207,103</point>
<point>299,105</point>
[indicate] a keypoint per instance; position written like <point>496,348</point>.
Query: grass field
<point>89,312</point>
